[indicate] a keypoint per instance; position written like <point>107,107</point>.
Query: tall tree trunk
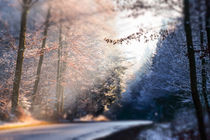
<point>41,58</point>
<point>193,77</point>
<point>203,61</point>
<point>20,58</point>
<point>63,69</point>
<point>58,83</point>
<point>208,25</point>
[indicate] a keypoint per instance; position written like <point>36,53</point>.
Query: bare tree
<point>58,82</point>
<point>26,5</point>
<point>45,33</point>
<point>192,66</point>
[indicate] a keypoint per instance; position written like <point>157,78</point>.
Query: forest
<point>107,60</point>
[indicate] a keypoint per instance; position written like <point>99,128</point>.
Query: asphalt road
<point>71,131</point>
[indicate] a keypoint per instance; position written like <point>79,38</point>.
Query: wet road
<point>71,131</point>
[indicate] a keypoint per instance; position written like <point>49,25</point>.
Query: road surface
<point>71,131</point>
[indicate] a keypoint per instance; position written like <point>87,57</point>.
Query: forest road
<point>77,131</point>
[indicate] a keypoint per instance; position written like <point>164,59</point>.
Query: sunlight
<point>91,65</point>
<point>138,53</point>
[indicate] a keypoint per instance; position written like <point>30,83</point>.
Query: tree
<point>105,93</point>
<point>59,94</point>
<point>208,25</point>
<point>203,59</point>
<point>192,66</point>
<point>26,5</point>
<point>108,92</point>
<point>191,57</point>
<point>45,34</point>
<point>62,68</point>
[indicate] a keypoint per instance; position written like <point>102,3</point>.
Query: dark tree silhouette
<point>26,5</point>
<point>203,59</point>
<point>192,66</point>
<point>208,24</point>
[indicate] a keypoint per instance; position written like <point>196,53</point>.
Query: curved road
<point>71,131</point>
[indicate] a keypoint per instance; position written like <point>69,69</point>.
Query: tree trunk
<point>203,61</point>
<point>58,83</point>
<point>193,77</point>
<point>63,69</point>
<point>20,58</point>
<point>208,25</point>
<point>41,58</point>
